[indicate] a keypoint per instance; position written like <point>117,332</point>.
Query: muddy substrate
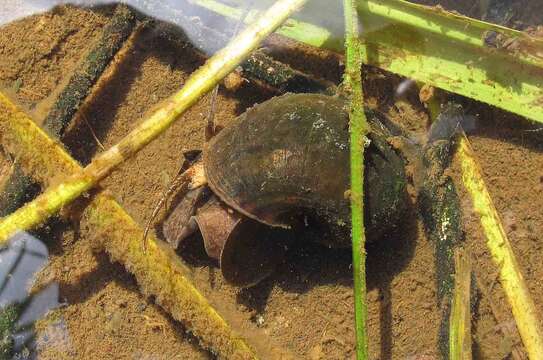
<point>307,305</point>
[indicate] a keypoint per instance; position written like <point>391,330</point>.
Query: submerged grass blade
<point>199,83</point>
<point>299,30</point>
<point>440,48</point>
<point>510,275</point>
<point>358,129</point>
<point>158,272</point>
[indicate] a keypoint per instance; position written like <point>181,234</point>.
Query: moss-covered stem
<point>199,83</point>
<point>358,129</point>
<point>158,272</point>
<point>95,62</point>
<point>440,206</point>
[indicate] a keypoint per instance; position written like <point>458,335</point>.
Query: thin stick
<point>210,118</point>
<point>200,82</point>
<point>358,129</point>
<point>460,319</point>
<point>92,132</point>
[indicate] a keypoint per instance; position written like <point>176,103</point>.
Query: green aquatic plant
<point>439,48</point>
<point>358,128</point>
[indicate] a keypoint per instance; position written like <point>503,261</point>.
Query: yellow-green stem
<point>460,318</point>
<point>510,275</point>
<point>358,131</point>
<point>200,82</point>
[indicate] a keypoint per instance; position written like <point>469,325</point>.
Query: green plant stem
<point>358,130</point>
<point>199,83</point>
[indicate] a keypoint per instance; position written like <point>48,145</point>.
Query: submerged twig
<point>200,82</point>
<point>359,128</point>
<point>210,118</point>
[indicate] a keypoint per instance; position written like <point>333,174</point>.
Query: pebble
<point>316,353</point>
<point>259,320</point>
<point>116,322</point>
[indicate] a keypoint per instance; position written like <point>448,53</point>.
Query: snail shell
<point>285,163</point>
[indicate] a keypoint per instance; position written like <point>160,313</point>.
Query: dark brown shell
<point>285,162</point>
